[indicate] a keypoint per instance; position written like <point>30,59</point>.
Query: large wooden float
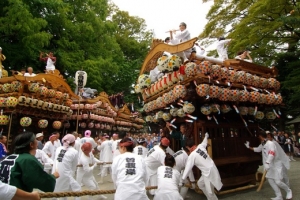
<point>236,164</point>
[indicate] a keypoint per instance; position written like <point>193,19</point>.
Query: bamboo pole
<point>9,129</point>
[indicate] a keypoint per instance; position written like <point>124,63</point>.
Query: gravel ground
<point>265,194</point>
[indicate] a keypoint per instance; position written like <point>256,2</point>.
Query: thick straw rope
<point>97,164</point>
<point>82,193</point>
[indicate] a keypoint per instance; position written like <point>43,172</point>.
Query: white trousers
<point>152,181</point>
<point>208,192</point>
<point>276,184</point>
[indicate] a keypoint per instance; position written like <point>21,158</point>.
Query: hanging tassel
<point>267,91</point>
<point>143,103</point>
<point>276,113</point>
<point>173,126</point>
<point>228,83</point>
<point>261,128</point>
<point>236,109</point>
<point>173,120</point>
<point>207,96</point>
<point>253,88</point>
<point>167,108</point>
<point>180,104</point>
<point>215,119</point>
<point>172,106</point>
<point>251,121</point>
<point>245,88</point>
<point>195,83</point>
<point>208,117</point>
<point>274,127</point>
<point>139,99</point>
<point>190,121</point>
<point>276,97</point>
<point>255,110</point>
<point>279,112</point>
<point>217,82</point>
<point>245,122</point>
<point>146,93</point>
<point>192,117</point>
<point>132,107</point>
<point>208,79</point>
<point>149,128</point>
<point>217,109</point>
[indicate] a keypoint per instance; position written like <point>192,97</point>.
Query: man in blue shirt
<point>3,150</point>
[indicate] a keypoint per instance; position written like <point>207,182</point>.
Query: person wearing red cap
<point>85,173</point>
<point>167,181</point>
<point>155,158</point>
<point>210,177</point>
<point>105,149</point>
<point>129,173</point>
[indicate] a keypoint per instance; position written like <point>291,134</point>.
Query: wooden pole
<point>78,109</point>
<point>9,128</point>
<point>262,181</point>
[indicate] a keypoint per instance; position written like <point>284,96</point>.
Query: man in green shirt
<point>178,135</point>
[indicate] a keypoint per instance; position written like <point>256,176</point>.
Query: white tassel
<point>172,106</point>
<point>207,96</point>
<point>267,91</point>
<point>215,119</point>
<point>276,97</point>
<point>208,117</point>
<point>195,83</point>
<point>167,108</point>
<point>173,126</point>
<point>208,79</point>
<point>274,127</point>
<point>245,123</point>
<point>190,121</point>
<point>217,82</point>
<point>245,88</point>
<point>173,120</point>
<point>255,111</point>
<point>236,109</point>
<point>276,113</point>
<point>192,117</point>
<point>253,88</point>
<point>279,112</point>
<point>180,104</point>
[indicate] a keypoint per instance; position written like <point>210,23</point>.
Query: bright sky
<point>163,15</point>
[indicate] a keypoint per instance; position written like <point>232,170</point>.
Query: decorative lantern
<point>203,90</point>
<point>259,115</point>
<point>7,87</point>
<point>16,86</point>
<point>58,95</point>
<point>91,125</point>
<point>270,98</point>
<point>190,69</point>
<point>149,118</point>
<point>160,103</point>
<point>224,95</point>
<point>179,91</point>
<point>12,102</point>
<point>33,87</point>
<point>206,109</point>
<point>166,117</point>
<point>180,113</point>
<point>270,116</point>
<point>144,81</point>
<point>80,78</point>
<point>43,91</point>
<point>42,123</point>
<point>3,102</point>
<point>224,73</point>
<point>244,96</point>
<point>174,62</point>
<point>256,81</point>
<point>215,71</point>
<point>166,98</point>
<point>240,76</point>
<point>4,119</point>
<point>159,115</point>
<point>251,110</point>
<point>51,93</point>
<point>56,125</point>
<point>65,96</point>
<point>234,95</point>
<point>214,91</point>
<point>205,67</point>
<point>263,83</point>
<point>243,110</point>
<point>225,108</point>
<point>262,99</point>
<point>175,77</point>
<point>137,88</point>
<point>254,96</point>
<point>162,64</point>
<point>25,121</point>
<point>232,76</point>
<point>173,111</point>
<point>248,79</point>
<point>188,108</point>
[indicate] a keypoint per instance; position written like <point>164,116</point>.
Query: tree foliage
<point>269,29</point>
<point>90,35</point>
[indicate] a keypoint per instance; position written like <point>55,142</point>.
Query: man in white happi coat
<point>85,173</point>
<point>50,147</point>
<point>141,149</point>
<point>65,162</point>
<point>222,48</point>
<point>105,149</point>
<point>44,159</point>
<point>272,161</point>
<point>168,178</point>
<point>210,177</point>
<point>155,158</point>
<point>77,144</point>
<point>129,173</point>
<point>179,36</point>
<point>181,157</point>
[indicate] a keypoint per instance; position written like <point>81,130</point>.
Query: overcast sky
<point>163,15</point>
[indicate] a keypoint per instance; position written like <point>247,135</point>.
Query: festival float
<point>45,102</point>
<point>228,99</point>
